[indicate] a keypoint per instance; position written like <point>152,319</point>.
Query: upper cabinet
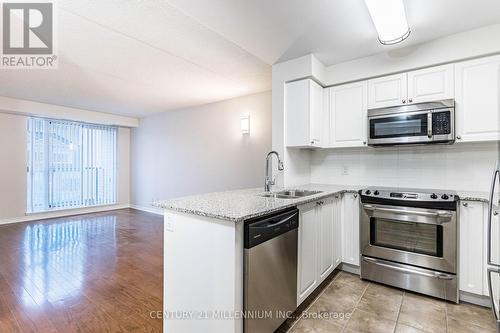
<point>387,91</point>
<point>477,104</point>
<point>303,113</point>
<point>347,115</point>
<point>430,84</point>
<point>418,86</point>
<point>317,117</point>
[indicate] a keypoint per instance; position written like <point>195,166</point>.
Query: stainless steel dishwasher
<point>270,270</point>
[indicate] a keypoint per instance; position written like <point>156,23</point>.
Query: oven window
<point>399,126</point>
<point>407,236</point>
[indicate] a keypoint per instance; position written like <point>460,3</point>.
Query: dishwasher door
<point>270,271</point>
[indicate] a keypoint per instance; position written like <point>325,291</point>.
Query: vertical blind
<point>70,165</point>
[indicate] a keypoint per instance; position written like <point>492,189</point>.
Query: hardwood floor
<point>87,273</point>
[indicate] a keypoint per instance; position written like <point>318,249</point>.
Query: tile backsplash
<point>457,167</point>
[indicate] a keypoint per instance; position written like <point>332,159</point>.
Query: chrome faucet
<point>269,181</point>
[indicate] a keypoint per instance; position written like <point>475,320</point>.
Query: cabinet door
<point>315,113</point>
<point>303,113</point>
<point>495,244</point>
<point>350,229</point>
<point>348,108</point>
<point>326,238</point>
<point>387,91</point>
<point>471,247</point>
<point>431,84</point>
<point>477,99</point>
<point>307,251</point>
<point>337,231</point>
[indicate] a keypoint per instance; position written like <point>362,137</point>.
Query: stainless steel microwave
<point>420,123</point>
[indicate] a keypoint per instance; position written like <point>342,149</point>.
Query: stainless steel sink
<point>298,193</point>
<point>290,194</point>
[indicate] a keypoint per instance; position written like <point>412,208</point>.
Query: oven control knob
<point>445,197</point>
<point>434,196</point>
<point>368,192</point>
<point>376,192</point>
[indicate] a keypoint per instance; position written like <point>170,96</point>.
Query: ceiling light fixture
<point>389,18</point>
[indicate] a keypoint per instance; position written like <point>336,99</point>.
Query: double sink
<point>289,194</point>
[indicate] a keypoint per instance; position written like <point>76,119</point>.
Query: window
<point>70,165</point>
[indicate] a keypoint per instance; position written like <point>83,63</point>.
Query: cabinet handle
<point>465,204</point>
<point>364,142</point>
<point>495,213</point>
<point>459,137</point>
<point>404,101</point>
<point>411,100</point>
<point>355,196</point>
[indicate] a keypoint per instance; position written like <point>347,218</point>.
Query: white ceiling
<point>139,57</point>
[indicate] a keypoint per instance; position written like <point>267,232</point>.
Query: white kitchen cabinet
<point>318,244</point>
<point>337,231</point>
<point>347,115</point>
<point>477,101</point>
<point>307,251</point>
<point>431,84</point>
<point>303,113</point>
<point>495,231</point>
<point>350,229</point>
<point>326,238</point>
<point>387,91</point>
<point>472,235</point>
<point>423,85</point>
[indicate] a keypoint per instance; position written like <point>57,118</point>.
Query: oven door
<point>415,236</point>
<point>399,128</point>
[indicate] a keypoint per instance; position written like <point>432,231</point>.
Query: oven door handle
<point>436,275</point>
<point>408,212</point>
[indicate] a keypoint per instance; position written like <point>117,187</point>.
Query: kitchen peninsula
<point>203,254</point>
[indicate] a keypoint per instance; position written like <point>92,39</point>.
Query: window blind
<point>70,165</point>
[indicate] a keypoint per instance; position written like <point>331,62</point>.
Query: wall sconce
<point>245,124</point>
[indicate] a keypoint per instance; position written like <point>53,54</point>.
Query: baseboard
<point>149,209</point>
<point>350,268</point>
<point>475,299</point>
<point>62,213</point>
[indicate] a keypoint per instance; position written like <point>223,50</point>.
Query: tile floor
<point>352,305</point>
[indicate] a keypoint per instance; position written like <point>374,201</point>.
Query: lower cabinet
<point>471,235</point>
<point>326,240</point>
<point>350,229</point>
<point>473,246</point>
<point>307,269</point>
<point>319,249</point>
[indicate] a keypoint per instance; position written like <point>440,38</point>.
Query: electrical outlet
<point>169,223</point>
<point>345,170</point>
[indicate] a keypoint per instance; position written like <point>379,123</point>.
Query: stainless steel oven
<point>408,238</point>
<point>432,122</point>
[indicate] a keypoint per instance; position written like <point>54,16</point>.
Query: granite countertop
<point>240,205</point>
<point>473,196</point>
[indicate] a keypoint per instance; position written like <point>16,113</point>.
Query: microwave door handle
<point>429,124</point>
<point>490,214</point>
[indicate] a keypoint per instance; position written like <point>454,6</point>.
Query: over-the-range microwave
<point>420,123</point>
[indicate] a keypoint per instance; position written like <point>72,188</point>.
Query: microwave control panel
<point>441,123</point>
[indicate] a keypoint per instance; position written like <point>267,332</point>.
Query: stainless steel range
<point>408,239</point>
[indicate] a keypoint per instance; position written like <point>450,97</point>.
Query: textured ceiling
<point>139,57</point>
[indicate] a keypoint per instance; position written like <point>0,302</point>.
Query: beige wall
<point>12,166</point>
<point>200,149</point>
<point>13,171</point>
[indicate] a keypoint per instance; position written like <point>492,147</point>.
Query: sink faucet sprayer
<point>269,181</point>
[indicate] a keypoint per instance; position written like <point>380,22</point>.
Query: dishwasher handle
<point>261,230</point>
